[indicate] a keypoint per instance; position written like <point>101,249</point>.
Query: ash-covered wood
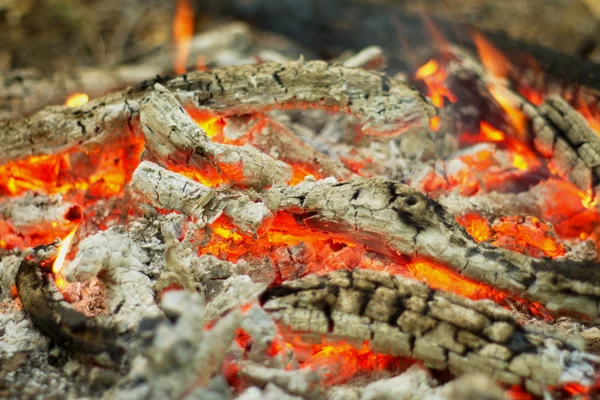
<point>406,318</point>
<point>172,191</point>
<point>380,105</point>
<point>391,218</point>
<point>57,318</point>
<point>173,136</point>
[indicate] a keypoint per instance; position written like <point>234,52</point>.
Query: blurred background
<point>56,35</point>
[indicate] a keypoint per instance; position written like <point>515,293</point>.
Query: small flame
<point>77,99</point>
<point>494,62</point>
<point>183,29</point>
<point>60,258</point>
<point>515,116</point>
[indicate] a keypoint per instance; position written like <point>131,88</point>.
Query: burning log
<point>394,219</point>
<point>406,318</point>
<point>55,316</point>
<point>387,214</point>
<point>172,135</point>
<point>382,106</point>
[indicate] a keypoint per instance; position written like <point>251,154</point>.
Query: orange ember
<point>102,172</point>
<point>476,226</point>
<point>339,362</point>
<point>439,276</point>
<point>527,235</point>
<point>524,233</point>
<point>183,29</point>
<point>77,99</point>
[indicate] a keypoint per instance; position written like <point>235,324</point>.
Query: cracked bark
<point>381,106</point>
<point>391,218</point>
<point>405,318</point>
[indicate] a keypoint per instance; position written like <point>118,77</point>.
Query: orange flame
<point>494,62</point>
<point>60,258</point>
<point>183,29</point>
<point>77,99</point>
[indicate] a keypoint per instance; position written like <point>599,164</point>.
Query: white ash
<point>303,383</point>
<point>413,383</point>
<point>18,334</point>
<point>35,212</point>
<point>211,273</point>
<point>182,355</point>
<point>271,392</point>
<point>237,290</point>
<point>122,261</point>
<point>9,265</point>
<point>29,367</point>
<point>177,271</point>
<point>263,331</point>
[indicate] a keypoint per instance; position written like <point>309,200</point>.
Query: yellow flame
<point>60,258</point>
<point>428,69</point>
<point>77,99</point>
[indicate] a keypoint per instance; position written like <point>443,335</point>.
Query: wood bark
<point>405,318</point>
<point>381,106</point>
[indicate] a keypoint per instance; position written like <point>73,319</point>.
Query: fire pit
<point>275,227</point>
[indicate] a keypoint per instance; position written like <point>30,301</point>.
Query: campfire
<point>260,226</point>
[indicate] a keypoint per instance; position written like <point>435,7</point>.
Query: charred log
<point>382,106</point>
<point>406,318</point>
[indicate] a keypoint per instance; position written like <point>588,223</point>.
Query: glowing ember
<point>339,362</point>
<point>76,100</point>
<point>60,258</point>
<point>183,29</point>
<point>517,233</point>
<point>101,171</point>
